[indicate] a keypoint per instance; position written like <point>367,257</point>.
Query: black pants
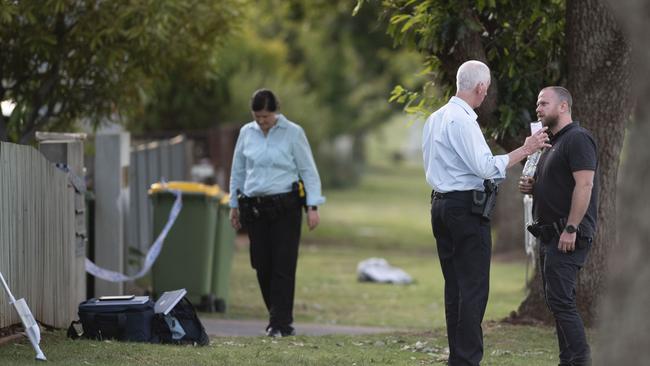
<point>464,248</point>
<point>559,273</point>
<point>274,255</point>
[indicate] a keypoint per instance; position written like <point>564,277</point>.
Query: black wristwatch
<point>314,208</point>
<point>570,229</point>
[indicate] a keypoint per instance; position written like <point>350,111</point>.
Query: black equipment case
<point>122,319</point>
<point>131,318</point>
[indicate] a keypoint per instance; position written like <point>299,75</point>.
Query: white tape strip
<point>152,254</point>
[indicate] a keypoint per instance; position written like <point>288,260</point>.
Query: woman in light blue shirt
<point>272,155</point>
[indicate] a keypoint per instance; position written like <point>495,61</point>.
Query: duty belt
<point>265,200</point>
<point>547,232</point>
<point>453,194</point>
<point>266,207</point>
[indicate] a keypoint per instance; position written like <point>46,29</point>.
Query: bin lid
<point>187,187</point>
<point>225,199</point>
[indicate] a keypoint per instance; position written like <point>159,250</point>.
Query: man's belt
<point>453,194</point>
<point>547,232</point>
<point>483,202</point>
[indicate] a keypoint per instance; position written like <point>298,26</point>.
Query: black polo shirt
<point>573,149</point>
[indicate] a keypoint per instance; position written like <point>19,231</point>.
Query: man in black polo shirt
<point>565,200</point>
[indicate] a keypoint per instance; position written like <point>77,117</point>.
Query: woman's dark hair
<point>264,99</point>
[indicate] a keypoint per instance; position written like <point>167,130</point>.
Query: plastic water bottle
<point>531,164</point>
<point>531,161</point>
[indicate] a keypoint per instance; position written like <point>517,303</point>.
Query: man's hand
<point>234,218</point>
<point>313,219</point>
<point>537,141</point>
<point>526,184</point>
<point>533,143</point>
<point>567,242</point>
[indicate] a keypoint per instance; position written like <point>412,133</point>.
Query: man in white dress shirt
<point>457,161</point>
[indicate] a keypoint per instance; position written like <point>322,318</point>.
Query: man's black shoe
<point>287,332</point>
<point>273,332</point>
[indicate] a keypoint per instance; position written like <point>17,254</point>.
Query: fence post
<point>111,206</point>
<point>68,149</point>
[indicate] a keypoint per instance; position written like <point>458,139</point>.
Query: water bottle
<point>531,161</point>
<point>531,164</point>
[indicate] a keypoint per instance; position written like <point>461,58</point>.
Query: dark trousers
<point>559,273</point>
<point>274,255</point>
<point>464,248</point>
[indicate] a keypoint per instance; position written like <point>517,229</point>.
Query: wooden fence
<point>38,252</point>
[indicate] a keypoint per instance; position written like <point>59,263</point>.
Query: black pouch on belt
<point>483,202</point>
<point>534,229</point>
<point>478,202</point>
<point>247,210</point>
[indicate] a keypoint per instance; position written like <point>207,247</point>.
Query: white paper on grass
<point>378,270</point>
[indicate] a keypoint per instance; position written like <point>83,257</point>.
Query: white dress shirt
<point>456,155</point>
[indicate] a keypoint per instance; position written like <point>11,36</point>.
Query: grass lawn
<point>327,290</point>
<point>505,345</point>
<point>388,210</point>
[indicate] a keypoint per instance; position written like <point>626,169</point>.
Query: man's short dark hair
<point>264,99</point>
<point>563,95</point>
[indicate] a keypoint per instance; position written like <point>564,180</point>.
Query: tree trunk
<point>624,334</point>
<point>359,148</point>
<point>624,321</point>
<point>598,57</point>
<point>508,221</point>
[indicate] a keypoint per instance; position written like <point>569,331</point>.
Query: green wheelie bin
<point>187,257</point>
<point>223,251</point>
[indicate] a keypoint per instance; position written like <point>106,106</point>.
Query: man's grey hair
<point>470,74</point>
<point>563,95</point>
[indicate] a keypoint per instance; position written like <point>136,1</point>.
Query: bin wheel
<point>207,303</point>
<point>220,305</point>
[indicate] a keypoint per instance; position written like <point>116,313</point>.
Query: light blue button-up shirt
<point>265,165</point>
<point>456,155</point>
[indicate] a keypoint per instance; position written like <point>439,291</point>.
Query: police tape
<point>152,254</point>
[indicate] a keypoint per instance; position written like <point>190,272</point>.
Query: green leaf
<point>396,19</point>
<point>409,24</point>
<point>480,4</point>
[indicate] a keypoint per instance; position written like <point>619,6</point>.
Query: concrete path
<point>254,328</point>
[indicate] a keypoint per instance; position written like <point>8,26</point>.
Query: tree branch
<point>28,133</point>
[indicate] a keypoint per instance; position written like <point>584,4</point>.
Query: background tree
<point>63,59</point>
<point>329,79</point>
<point>351,74</point>
<point>529,45</point>
<point>624,324</point>
<point>520,40</point>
